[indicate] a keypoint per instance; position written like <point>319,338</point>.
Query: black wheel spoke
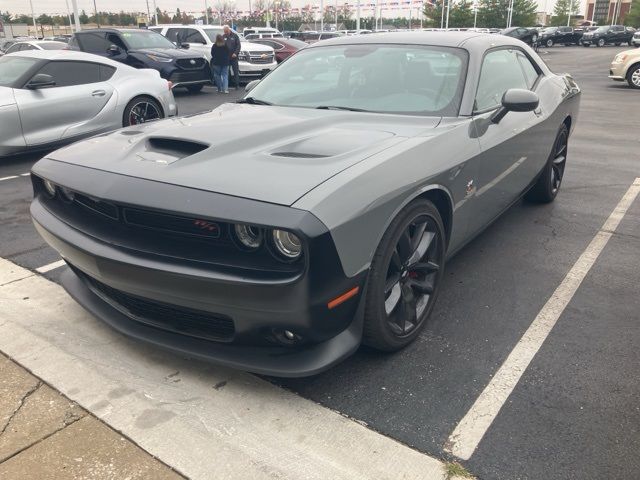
<point>391,282</point>
<point>425,267</point>
<point>424,287</point>
<point>396,262</point>
<point>406,318</point>
<point>404,246</point>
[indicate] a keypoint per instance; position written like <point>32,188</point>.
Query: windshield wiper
<point>253,101</point>
<point>336,107</point>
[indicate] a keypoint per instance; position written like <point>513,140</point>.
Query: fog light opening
<point>286,337</point>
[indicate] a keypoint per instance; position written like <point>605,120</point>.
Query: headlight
<point>49,186</point>
<point>249,236</point>
<point>287,244</point>
<point>157,58</point>
<point>620,58</point>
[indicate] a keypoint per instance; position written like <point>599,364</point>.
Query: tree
<point>494,13</point>
<point>562,10</point>
<point>632,18</point>
<point>461,15</point>
<point>83,17</point>
<point>433,14</point>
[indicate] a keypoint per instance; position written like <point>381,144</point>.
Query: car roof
<point>66,55</point>
<point>444,39</point>
<point>110,29</point>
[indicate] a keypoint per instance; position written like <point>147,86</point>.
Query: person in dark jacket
<point>220,59</point>
<point>233,44</point>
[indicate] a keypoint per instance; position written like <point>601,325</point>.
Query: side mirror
<point>516,100</point>
<point>41,80</point>
<point>114,50</point>
<point>251,85</point>
<point>185,46</point>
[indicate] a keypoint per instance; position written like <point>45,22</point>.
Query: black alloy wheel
<point>141,110</point>
<point>548,184</point>
<point>549,43</point>
<point>601,42</point>
<point>405,277</point>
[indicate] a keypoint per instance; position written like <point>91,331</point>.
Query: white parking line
<point>207,422</point>
<point>50,266</point>
<point>11,177</point>
<point>469,432</point>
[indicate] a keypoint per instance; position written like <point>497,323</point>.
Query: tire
<point>601,43</point>
<point>534,39</point>
<point>548,184</point>
<point>586,45</point>
<point>549,43</point>
<point>401,292</point>
<point>195,88</point>
<point>141,110</point>
<point>633,76</point>
<point>617,44</point>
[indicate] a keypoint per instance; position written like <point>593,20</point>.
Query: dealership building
<point>602,10</point>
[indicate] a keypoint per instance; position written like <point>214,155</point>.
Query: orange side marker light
<point>343,298</point>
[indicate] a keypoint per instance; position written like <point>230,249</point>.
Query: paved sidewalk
<point>43,435</point>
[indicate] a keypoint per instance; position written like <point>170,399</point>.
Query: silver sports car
<point>369,161</point>
<point>54,97</point>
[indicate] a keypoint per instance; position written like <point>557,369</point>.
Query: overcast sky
<point>58,6</point>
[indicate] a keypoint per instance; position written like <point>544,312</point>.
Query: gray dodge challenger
<point>278,233</point>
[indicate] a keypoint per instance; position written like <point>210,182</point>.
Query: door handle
<point>98,93</point>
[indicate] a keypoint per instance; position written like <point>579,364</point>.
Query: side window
<point>67,74</point>
<point>94,42</point>
<point>191,35</point>
<point>16,47</point>
<point>530,72</point>
<point>106,72</point>
<point>172,34</point>
<point>500,71</point>
<point>114,39</point>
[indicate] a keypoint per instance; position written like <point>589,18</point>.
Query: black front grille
<point>260,58</point>
<point>190,63</point>
<point>192,76</point>
<point>173,318</point>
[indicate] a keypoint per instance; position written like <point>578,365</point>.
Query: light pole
<point>321,15</point>
<point>95,10</point>
<point>69,15</point>
<point>410,5</point>
<point>442,16</point>
<point>336,7</point>
<point>206,13</point>
<point>448,10</point>
<point>509,16</point>
<point>276,5</point>
<point>475,14</point>
<point>33,17</point>
<point>76,19</point>
<point>358,16</point>
<point>155,12</point>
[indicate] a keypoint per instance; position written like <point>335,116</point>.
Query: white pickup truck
<point>254,61</point>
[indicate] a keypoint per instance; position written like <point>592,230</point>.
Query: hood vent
<point>174,146</point>
<point>299,155</point>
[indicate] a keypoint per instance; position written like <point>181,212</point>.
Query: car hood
<point>271,154</point>
<point>255,47</point>
<point>6,96</point>
<point>168,52</point>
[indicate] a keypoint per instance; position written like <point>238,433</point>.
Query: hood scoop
<point>330,143</point>
<point>299,155</point>
<point>165,151</point>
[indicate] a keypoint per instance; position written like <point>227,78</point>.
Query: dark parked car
<point>278,233</point>
<point>608,34</point>
<point>283,47</point>
<point>5,45</point>
<point>527,35</point>
<point>146,49</point>
<point>560,35</point>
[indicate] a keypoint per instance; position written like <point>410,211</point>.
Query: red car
<point>284,47</point>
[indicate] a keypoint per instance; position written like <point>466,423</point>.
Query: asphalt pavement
<point>574,413</point>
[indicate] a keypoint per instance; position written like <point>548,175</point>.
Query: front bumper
<point>616,72</point>
<point>256,308</point>
<point>255,69</point>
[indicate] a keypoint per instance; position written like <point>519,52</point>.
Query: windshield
<point>13,68</point>
<point>146,39</point>
<point>407,79</point>
<point>212,32</point>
